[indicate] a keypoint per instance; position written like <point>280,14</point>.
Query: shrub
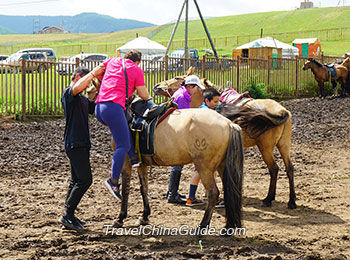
<point>258,90</point>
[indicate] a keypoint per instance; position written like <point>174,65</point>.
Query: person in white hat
<point>183,99</point>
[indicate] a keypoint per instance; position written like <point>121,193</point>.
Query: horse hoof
<point>292,205</point>
<point>117,224</point>
<point>142,222</point>
<point>266,203</point>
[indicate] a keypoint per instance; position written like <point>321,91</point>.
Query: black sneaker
<point>71,223</point>
<point>81,222</point>
<point>182,196</point>
<point>176,200</point>
<point>114,189</point>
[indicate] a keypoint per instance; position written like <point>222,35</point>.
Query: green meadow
<point>283,25</point>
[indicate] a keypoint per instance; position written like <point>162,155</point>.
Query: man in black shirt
<point>77,142</point>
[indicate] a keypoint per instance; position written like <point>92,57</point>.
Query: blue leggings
<point>112,115</point>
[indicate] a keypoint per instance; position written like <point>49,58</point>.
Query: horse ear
<point>190,71</point>
<point>97,83</point>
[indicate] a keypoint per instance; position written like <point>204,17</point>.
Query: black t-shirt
<point>76,112</point>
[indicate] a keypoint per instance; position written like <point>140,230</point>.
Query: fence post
<point>237,76</point>
<point>268,74</point>
<point>203,65</point>
<point>296,75</point>
<point>77,61</point>
<point>166,58</point>
<point>23,72</point>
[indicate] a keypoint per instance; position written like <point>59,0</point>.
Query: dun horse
<point>264,122</point>
<point>205,138</point>
<point>322,75</point>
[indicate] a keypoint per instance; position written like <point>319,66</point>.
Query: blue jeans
<point>112,115</point>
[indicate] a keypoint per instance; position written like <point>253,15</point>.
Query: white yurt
<point>149,49</point>
<point>288,51</point>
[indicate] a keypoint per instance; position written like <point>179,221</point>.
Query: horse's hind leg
<point>143,176</point>
<point>284,148</point>
<point>208,181</point>
<point>266,151</point>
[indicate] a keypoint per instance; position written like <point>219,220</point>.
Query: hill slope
<point>85,22</point>
<point>271,22</point>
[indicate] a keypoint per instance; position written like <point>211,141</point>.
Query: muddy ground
<point>34,175</point>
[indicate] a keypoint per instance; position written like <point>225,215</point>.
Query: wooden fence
<point>25,91</point>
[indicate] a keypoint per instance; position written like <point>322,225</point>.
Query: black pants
<point>81,177</point>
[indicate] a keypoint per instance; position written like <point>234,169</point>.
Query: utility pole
<point>186,30</point>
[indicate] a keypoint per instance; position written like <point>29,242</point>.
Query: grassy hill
<point>84,22</point>
<point>249,24</point>
<point>271,22</point>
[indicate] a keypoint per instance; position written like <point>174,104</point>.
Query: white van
<point>50,53</point>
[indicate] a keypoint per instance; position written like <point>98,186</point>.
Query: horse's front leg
<point>322,94</point>
<point>126,176</point>
<point>143,176</point>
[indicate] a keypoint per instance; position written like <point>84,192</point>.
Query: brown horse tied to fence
<point>322,75</point>
<point>211,142</point>
<point>264,122</point>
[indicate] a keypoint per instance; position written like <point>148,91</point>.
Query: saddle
<point>143,117</point>
<point>231,96</point>
<point>330,68</point>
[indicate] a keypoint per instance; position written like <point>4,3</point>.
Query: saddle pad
<point>332,71</point>
<point>231,96</point>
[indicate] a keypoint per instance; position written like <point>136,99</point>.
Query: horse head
<point>168,87</point>
<point>92,91</point>
<point>307,64</point>
<point>346,63</point>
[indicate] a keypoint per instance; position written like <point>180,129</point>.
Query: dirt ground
<point>34,175</point>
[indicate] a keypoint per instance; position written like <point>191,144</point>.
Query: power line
<point>26,3</point>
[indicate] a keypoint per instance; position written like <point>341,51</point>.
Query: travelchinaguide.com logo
<point>183,230</point>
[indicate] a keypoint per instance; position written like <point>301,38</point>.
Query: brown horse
<point>264,122</point>
<point>346,63</point>
<point>322,75</point>
<point>205,138</point>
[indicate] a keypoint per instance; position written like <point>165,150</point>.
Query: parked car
<point>89,60</point>
<point>3,57</point>
<point>38,61</point>
<point>50,53</point>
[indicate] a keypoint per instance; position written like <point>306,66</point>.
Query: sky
<point>153,11</point>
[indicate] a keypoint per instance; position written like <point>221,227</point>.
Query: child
<point>211,100</point>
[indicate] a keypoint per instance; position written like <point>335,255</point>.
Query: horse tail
<point>233,178</point>
<point>256,121</point>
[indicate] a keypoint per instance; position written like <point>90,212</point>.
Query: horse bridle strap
<point>126,85</point>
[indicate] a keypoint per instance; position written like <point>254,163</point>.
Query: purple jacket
<point>182,98</point>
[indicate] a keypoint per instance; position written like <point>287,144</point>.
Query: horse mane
<point>255,121</point>
<point>316,62</point>
<point>208,84</point>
